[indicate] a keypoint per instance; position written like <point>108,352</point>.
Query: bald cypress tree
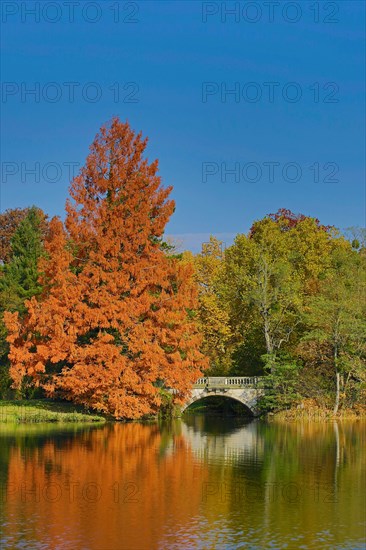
<point>116,318</point>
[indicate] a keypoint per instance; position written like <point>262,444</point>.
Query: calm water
<point>205,482</point>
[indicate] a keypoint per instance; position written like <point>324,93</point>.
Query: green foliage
<point>19,279</point>
<point>247,355</point>
<point>167,408</point>
<point>281,384</point>
<point>294,290</point>
<point>336,320</point>
<point>5,380</point>
<point>286,300</point>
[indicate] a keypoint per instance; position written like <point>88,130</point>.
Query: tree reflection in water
<point>205,482</point>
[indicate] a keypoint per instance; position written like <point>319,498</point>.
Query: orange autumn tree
<point>116,319</point>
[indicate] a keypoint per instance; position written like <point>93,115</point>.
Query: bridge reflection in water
<point>223,440</point>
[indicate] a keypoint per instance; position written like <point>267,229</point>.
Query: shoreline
<point>47,411</point>
<point>40,411</point>
<point>317,415</point>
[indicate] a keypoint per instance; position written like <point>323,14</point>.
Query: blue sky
<point>291,134</point>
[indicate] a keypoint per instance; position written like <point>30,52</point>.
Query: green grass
<point>44,410</point>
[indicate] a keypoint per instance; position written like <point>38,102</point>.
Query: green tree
<point>19,280</point>
<point>263,288</point>
<point>19,276</point>
<point>268,276</point>
<point>336,321</point>
<point>281,385</point>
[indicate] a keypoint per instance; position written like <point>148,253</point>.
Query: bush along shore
<point>310,411</point>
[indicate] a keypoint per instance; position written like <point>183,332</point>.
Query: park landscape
<point>182,275</point>
<point>137,377</point>
<point>102,312</point>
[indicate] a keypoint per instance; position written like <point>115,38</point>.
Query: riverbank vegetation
<point>37,411</point>
<point>288,301</point>
<point>101,311</point>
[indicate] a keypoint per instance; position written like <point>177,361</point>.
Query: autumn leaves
<point>106,315</point>
<point>115,316</point>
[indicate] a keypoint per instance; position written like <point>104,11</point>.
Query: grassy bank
<point>309,410</point>
<point>44,410</point>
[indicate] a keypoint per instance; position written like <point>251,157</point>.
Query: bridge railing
<point>227,381</point>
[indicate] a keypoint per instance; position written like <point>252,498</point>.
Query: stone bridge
<point>240,388</point>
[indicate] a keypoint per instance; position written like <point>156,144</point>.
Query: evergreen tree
<point>19,280</point>
<point>19,277</point>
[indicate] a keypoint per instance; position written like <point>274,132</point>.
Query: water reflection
<point>206,482</point>
<point>216,439</point>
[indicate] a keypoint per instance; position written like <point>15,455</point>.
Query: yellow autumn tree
<point>213,314</point>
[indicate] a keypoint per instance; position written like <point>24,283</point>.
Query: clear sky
<point>249,106</point>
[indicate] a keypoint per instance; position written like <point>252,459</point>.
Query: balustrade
<point>227,381</point>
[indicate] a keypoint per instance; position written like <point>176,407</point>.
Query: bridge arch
<point>244,402</point>
<point>243,389</point>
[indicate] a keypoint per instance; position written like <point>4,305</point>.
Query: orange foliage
<point>114,487</point>
<point>116,314</point>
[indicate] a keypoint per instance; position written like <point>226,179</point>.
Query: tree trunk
<point>265,305</point>
<point>335,356</point>
<point>336,404</point>
<point>267,336</point>
<point>269,346</point>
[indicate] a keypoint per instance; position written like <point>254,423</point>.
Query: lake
<point>204,482</point>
